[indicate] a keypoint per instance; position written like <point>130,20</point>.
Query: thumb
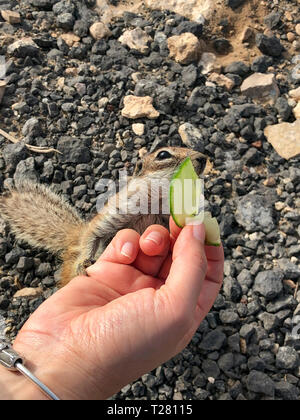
<point>189,267</point>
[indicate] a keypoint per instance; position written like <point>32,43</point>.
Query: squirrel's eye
<point>163,155</point>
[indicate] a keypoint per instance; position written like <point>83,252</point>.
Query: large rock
<point>139,107</point>
<point>73,150</point>
<point>289,269</point>
<point>269,284</point>
<point>13,153</point>
<point>23,48</point>
<point>185,48</point>
<point>193,10</point>
<point>260,383</point>
<point>65,21</point>
<point>285,138</point>
<point>136,39</point>
<point>261,88</point>
<point>214,340</point>
<point>191,136</point>
<point>272,20</point>
<point>286,391</point>
<point>25,170</point>
<point>11,16</point>
<point>269,45</point>
<point>237,67</point>
<point>287,358</point>
<point>255,213</point>
<point>99,31</point>
<point>188,26</point>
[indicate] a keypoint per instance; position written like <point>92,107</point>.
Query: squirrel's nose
<point>202,162</point>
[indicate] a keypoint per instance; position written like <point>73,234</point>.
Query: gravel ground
<point>70,98</point>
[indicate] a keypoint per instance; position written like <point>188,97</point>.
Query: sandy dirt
<point>250,15</point>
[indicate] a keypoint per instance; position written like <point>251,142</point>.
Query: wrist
<point>14,386</point>
<point>61,372</point>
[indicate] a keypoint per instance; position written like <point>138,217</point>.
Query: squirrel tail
<point>40,217</point>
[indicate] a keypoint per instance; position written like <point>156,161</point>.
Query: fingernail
<point>155,237</point>
<point>127,249</point>
<point>199,232</point>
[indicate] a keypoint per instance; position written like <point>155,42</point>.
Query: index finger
<point>174,231</point>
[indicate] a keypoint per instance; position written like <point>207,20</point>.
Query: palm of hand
<point>125,317</point>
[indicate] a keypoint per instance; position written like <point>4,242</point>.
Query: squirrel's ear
<point>138,168</point>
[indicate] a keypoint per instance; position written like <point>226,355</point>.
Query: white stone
<point>103,102</point>
<point>138,129</point>
<point>139,107</point>
<point>99,31</point>
<point>184,48</point>
<point>136,39</point>
<point>190,135</point>
<point>11,16</point>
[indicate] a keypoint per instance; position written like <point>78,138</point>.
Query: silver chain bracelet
<point>12,361</point>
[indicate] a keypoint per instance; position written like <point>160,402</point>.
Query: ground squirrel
<point>45,220</point>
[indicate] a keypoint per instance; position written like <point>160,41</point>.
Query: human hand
<point>141,304</point>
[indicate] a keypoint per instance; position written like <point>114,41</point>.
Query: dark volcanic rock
<point>286,391</point>
<point>269,45</point>
<point>260,383</point>
<point>43,4</point>
<point>283,108</point>
<point>237,67</point>
<point>25,170</point>
<point>232,289</point>
<point>234,4</point>
<point>269,284</point>
<point>287,358</point>
<point>24,47</point>
<point>289,269</point>
<point>222,45</point>
<point>13,153</point>
<point>73,150</point>
<point>187,26</point>
<point>214,340</point>
<point>272,19</point>
<point>261,64</point>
